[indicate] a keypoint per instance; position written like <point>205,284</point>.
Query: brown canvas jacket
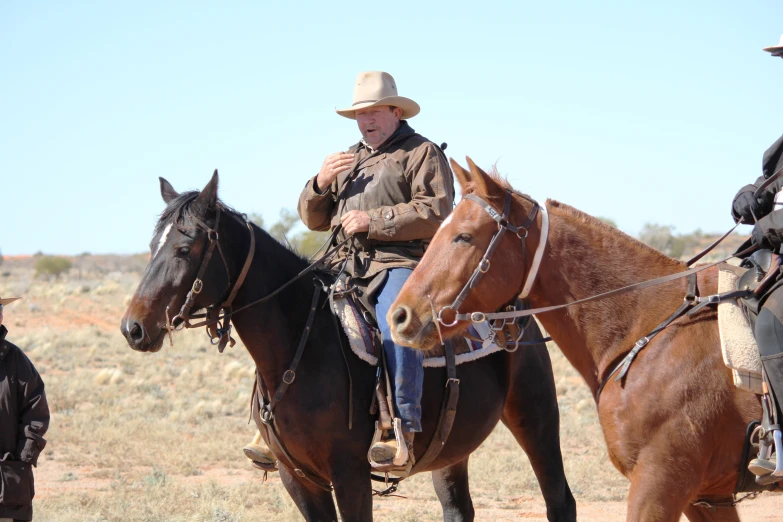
<point>405,186</point>
<point>24,419</point>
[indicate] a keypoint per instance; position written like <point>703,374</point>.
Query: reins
<point>484,264</point>
<point>219,326</point>
<point>691,304</point>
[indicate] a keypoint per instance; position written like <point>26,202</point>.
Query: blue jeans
<point>406,365</point>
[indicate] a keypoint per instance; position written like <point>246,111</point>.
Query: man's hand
<point>355,221</point>
<point>333,165</point>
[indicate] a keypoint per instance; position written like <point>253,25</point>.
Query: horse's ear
<point>463,176</point>
<point>478,177</point>
<point>207,198</point>
<point>167,192</point>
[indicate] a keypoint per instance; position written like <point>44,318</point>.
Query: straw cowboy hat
<point>8,300</point>
<point>776,50</point>
<point>378,88</point>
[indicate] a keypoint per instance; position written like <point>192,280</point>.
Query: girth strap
<point>447,413</point>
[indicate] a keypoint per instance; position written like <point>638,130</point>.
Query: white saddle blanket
<point>737,342</point>
<point>364,343</point>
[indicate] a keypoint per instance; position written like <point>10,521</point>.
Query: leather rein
<point>691,304</point>
<point>218,329</point>
<point>483,266</point>
<point>219,326</point>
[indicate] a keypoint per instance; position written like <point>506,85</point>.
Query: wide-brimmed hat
<point>776,50</point>
<point>378,88</point>
<point>7,300</point>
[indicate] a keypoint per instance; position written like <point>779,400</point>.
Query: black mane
<point>180,208</point>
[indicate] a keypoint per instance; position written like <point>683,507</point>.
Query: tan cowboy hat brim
<point>775,49</point>
<point>409,107</point>
<point>8,300</point>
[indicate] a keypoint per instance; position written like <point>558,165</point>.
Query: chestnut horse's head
<point>449,267</point>
<point>178,247</point>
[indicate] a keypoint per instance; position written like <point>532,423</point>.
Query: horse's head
<point>448,271</point>
<point>178,249</point>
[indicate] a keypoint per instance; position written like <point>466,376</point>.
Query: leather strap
<point>267,423</point>
<point>448,412</point>
<point>481,316</point>
<point>290,374</point>
<point>625,363</point>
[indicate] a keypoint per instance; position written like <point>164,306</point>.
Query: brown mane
<point>572,213</point>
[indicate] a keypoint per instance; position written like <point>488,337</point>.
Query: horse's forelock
<point>181,207</point>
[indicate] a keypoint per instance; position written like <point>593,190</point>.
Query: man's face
<point>1,315</point>
<point>378,123</point>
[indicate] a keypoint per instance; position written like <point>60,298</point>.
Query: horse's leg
<point>353,489</point>
<point>451,486</point>
<point>315,504</point>
<point>532,416</point>
<point>660,491</point>
<point>705,514</point>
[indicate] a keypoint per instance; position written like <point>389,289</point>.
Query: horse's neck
<point>583,258</point>
<point>270,330</point>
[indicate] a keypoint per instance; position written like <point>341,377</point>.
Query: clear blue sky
<point>641,112</point>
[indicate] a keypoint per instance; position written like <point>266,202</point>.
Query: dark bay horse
<point>517,388</point>
<point>675,425</point>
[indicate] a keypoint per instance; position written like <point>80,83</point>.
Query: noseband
<point>219,333</point>
<point>483,266</point>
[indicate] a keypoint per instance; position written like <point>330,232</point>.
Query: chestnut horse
<point>312,419</point>
<point>675,425</point>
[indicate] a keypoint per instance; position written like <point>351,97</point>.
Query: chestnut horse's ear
<point>463,176</point>
<point>485,185</point>
<point>167,192</point>
<point>207,198</point>
<point>478,177</point>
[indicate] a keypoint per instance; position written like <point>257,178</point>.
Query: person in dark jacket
<point>390,192</point>
<point>24,419</point>
<point>766,212</point>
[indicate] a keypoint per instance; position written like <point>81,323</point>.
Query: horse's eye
<point>463,238</point>
<point>183,251</point>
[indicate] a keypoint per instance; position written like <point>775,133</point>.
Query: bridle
<point>483,266</point>
<point>219,331</point>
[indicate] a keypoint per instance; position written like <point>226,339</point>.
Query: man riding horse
<point>390,192</point>
<point>766,211</point>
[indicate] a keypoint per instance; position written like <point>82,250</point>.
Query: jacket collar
<point>402,132</point>
<point>3,345</point>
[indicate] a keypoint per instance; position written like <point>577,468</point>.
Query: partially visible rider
<point>766,211</point>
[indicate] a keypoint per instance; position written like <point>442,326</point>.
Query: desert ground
<point>158,437</point>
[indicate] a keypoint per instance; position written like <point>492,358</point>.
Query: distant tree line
<point>305,242</point>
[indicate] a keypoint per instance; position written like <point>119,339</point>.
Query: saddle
<point>353,303</point>
<point>760,274</point>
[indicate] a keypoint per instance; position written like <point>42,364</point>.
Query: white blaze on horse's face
<point>447,220</point>
<point>163,238</point>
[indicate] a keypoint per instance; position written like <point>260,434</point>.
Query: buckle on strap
<point>289,376</point>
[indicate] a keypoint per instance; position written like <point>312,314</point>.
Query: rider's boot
<point>260,454</point>
<point>769,329</point>
<point>384,452</point>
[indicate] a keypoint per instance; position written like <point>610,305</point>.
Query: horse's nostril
<point>136,332</point>
<point>400,316</point>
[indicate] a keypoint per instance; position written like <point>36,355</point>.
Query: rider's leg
<point>769,336</point>
<point>406,368</point>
